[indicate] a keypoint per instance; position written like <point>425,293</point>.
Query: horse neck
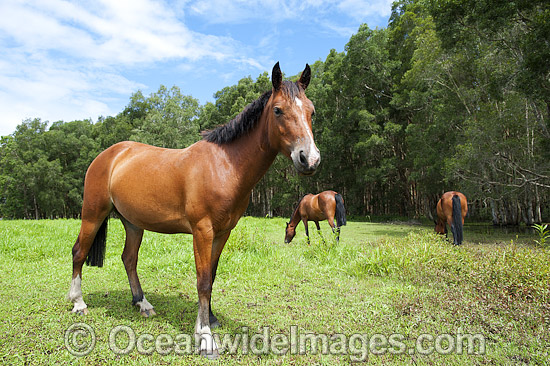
<point>253,155</point>
<point>296,217</point>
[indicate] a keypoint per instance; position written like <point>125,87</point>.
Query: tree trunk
<point>494,213</point>
<point>529,209</point>
<point>538,212</point>
<point>36,216</point>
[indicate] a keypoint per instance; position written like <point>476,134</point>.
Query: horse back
<point>327,203</point>
<point>320,206</point>
<point>151,187</point>
<point>445,205</point>
<point>309,207</point>
<point>97,196</point>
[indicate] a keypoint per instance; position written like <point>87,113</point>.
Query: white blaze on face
<point>313,154</point>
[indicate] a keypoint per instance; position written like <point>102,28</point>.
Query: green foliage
<point>247,237</point>
<point>388,256</point>
<point>543,232</point>
<point>42,169</point>
<point>321,249</point>
<point>169,119</point>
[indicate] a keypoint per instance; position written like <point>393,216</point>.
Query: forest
<point>451,95</point>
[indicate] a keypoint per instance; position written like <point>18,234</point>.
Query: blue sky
<point>69,60</point>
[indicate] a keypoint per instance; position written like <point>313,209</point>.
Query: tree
<point>29,178</point>
<point>167,119</point>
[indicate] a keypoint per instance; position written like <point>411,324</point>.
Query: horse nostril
<point>303,159</point>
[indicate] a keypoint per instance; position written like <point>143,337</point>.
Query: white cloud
<point>116,32</point>
<point>239,11</point>
<point>56,91</point>
<point>64,60</point>
<point>361,9</point>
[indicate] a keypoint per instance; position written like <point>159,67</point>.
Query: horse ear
<point>276,77</point>
<point>305,77</point>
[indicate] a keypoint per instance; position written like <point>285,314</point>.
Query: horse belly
<point>315,214</point>
<point>150,201</point>
<point>158,220</point>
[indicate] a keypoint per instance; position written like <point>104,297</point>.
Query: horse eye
<point>278,111</point>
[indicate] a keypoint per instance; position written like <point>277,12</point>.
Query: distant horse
<point>451,210</point>
<point>201,190</point>
<point>323,206</point>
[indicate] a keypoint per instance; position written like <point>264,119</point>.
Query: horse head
<point>290,232</point>
<point>440,227</point>
<point>290,114</point>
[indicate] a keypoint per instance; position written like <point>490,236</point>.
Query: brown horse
<point>451,210</point>
<point>323,206</point>
<point>201,190</point>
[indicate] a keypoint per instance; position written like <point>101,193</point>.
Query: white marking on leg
<point>144,304</point>
<point>204,339</point>
<point>75,295</point>
<point>207,340</point>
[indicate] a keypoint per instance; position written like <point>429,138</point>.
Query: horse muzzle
<point>306,160</point>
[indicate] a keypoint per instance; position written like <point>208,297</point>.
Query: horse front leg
<point>202,247</point>
<point>307,231</point>
<point>217,247</point>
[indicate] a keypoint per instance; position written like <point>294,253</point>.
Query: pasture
<point>379,280</point>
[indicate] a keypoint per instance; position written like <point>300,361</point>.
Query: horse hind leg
<point>134,235</point>
<point>319,231</point>
<point>75,291</point>
<point>335,230</point>
<point>90,231</point>
<point>453,231</point>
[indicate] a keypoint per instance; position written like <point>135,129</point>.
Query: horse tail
<point>340,210</point>
<point>457,219</point>
<point>96,255</point>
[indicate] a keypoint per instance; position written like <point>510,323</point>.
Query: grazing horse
<point>323,206</point>
<point>201,190</point>
<point>451,210</point>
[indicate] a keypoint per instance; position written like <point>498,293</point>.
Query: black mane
<point>248,118</point>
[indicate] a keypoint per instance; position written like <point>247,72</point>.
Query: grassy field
<point>386,294</point>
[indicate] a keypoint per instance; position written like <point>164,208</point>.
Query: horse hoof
<point>148,313</point>
<point>214,323</point>
<point>81,312</point>
<point>210,355</point>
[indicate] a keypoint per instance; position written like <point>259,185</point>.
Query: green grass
<point>380,279</point>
